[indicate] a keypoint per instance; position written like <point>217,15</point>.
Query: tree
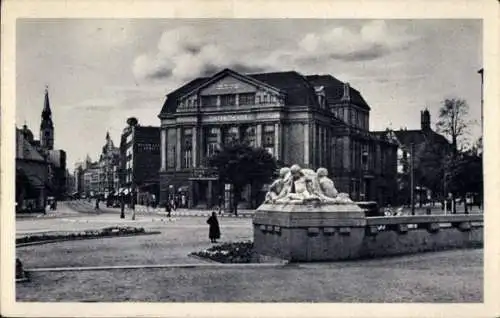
<point>430,166</point>
<point>452,121</point>
<point>240,165</point>
<point>132,121</point>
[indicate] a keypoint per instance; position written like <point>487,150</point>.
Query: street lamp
<point>481,73</point>
<point>412,177</point>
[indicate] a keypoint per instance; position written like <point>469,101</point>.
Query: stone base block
<point>299,234</point>
<point>295,233</point>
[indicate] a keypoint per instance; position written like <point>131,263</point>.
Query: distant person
<point>176,202</point>
<point>122,208</point>
<point>221,203</point>
<point>97,204</point>
<point>183,200</point>
<point>168,209</point>
<point>214,230</point>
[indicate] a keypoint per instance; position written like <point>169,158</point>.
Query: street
<point>440,276</point>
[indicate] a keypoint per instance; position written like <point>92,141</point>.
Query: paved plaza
<point>451,276</point>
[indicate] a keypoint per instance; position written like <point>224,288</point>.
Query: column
<point>314,140</point>
<point>306,144</point>
<point>209,194</point>
<point>219,136</point>
<point>178,149</point>
<point>258,136</point>
<point>195,147</point>
<point>163,149</point>
<point>277,141</point>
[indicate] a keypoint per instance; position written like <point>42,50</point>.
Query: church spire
<point>46,112</point>
<point>47,126</point>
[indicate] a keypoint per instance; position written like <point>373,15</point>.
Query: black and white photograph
<point>257,160</point>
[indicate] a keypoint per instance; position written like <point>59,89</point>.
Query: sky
<point>100,72</point>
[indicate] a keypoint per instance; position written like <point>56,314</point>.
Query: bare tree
<point>452,120</point>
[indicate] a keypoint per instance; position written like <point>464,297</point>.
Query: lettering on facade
<point>226,86</point>
<point>229,117</point>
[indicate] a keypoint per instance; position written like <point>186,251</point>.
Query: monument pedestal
<point>309,232</point>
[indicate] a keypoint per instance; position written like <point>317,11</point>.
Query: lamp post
<point>412,177</point>
<point>481,73</point>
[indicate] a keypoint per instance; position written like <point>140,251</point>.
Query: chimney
<point>347,92</point>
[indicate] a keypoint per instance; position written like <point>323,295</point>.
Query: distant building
<point>312,120</point>
<point>109,160</point>
<point>57,160</point>
<point>140,160</point>
<point>32,173</point>
<point>419,139</point>
<point>91,179</point>
<point>40,153</point>
<point>78,176</point>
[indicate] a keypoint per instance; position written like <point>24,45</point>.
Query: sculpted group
<point>298,186</point>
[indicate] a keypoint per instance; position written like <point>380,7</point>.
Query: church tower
<point>425,120</point>
<point>46,126</point>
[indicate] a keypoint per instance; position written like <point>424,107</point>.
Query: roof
<point>299,89</point>
<point>407,137</point>
<point>334,89</point>
<point>25,150</point>
<point>170,104</point>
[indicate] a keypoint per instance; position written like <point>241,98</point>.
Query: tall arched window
<point>268,137</point>
<point>187,148</point>
<point>211,141</point>
<point>231,134</point>
<point>250,136</point>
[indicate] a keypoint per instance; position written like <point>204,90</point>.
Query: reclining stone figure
<point>297,186</point>
<point>277,186</point>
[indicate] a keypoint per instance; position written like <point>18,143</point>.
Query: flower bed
<point>105,232</point>
<point>237,252</point>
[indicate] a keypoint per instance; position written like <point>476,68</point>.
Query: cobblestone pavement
<point>178,237</point>
<point>441,277</point>
<point>452,276</point>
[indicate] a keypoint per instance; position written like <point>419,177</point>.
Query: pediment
<point>228,85</point>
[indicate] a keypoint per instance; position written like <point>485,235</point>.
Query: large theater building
<point>314,121</point>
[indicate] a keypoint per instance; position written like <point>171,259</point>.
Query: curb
<point>165,266</point>
<point>83,238</point>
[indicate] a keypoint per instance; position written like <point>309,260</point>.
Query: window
<point>187,148</point>
<point>212,141</point>
<point>231,134</point>
<point>209,101</point>
<point>269,141</point>
<point>228,100</point>
<point>250,136</point>
<point>265,99</point>
<point>247,99</point>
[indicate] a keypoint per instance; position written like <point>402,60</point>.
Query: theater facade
<point>312,120</point>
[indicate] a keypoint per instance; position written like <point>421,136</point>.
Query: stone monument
<point>301,213</point>
<point>305,219</point>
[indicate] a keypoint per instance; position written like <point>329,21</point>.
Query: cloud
<point>371,41</point>
<point>185,53</point>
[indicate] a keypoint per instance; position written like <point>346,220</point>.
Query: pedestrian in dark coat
<point>214,230</point>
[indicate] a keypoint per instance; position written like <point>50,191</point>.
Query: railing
<point>415,219</point>
<point>432,223</point>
